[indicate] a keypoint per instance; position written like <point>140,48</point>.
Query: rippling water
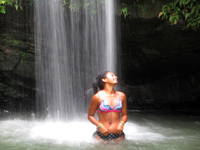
<point>143,132</point>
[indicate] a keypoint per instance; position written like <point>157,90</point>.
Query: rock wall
<point>160,62</point>
<point>17,71</point>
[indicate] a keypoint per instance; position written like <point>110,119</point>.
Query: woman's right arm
<point>92,110</point>
<point>93,106</point>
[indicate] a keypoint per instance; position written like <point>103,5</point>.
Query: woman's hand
<point>102,129</point>
<point>120,127</point>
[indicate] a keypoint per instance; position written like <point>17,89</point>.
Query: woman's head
<point>102,79</point>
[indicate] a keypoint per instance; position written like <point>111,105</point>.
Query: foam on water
<point>72,132</point>
<point>142,133</point>
<point>66,132</point>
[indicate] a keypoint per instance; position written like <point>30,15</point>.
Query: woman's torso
<point>109,111</point>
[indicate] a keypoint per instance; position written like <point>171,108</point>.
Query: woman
<point>111,107</point>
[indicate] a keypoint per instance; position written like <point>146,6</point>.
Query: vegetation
<point>11,41</point>
<point>13,3</point>
<point>124,11</point>
<point>185,12</point>
<point>75,6</point>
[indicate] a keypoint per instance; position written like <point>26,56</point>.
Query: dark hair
<point>99,84</point>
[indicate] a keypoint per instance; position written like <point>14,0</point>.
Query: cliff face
<point>17,73</point>
<point>160,62</point>
<point>17,80</point>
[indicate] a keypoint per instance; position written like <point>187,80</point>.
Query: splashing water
<point>71,133</point>
<point>143,132</point>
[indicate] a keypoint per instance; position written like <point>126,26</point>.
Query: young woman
<point>111,107</point>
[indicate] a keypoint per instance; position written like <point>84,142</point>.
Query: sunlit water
<point>143,132</point>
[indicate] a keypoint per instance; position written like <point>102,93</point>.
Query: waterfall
<point>74,41</point>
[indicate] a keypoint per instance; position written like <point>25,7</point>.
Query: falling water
<point>75,40</point>
<point>110,35</point>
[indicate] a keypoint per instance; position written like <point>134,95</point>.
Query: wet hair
<point>99,84</point>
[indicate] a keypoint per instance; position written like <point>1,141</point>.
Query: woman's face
<point>111,78</point>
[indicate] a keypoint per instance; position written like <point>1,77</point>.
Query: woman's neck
<point>109,90</point>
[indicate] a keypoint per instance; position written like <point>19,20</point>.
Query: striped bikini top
<point>104,107</point>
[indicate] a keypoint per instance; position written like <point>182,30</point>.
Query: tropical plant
<point>186,12</point>
<point>13,3</point>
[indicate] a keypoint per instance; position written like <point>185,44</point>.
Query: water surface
<point>144,131</point>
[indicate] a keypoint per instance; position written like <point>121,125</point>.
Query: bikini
<point>108,137</point>
<point>105,108</point>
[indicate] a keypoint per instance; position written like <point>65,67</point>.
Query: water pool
<point>144,131</point>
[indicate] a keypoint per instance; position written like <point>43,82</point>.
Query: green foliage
<point>2,6</point>
<point>124,10</point>
<point>74,5</point>
<point>90,5</point>
<point>11,41</point>
<point>14,3</point>
<point>185,12</point>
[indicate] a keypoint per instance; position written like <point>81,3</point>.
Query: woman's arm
<point>92,110</point>
<point>124,116</point>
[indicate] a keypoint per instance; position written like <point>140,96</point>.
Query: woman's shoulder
<point>97,95</point>
<point>121,94</point>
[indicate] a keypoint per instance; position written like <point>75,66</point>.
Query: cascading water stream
<point>74,42</point>
<point>110,35</point>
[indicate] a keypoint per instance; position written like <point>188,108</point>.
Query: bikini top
<point>104,107</point>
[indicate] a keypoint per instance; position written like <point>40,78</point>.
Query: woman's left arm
<point>124,116</point>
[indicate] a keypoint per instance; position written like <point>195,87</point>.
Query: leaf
<point>160,14</point>
<point>174,19</point>
<point>184,2</point>
<point>2,10</point>
<point>124,11</point>
<point>2,2</point>
<point>187,15</point>
<point>16,6</point>
<point>166,8</point>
